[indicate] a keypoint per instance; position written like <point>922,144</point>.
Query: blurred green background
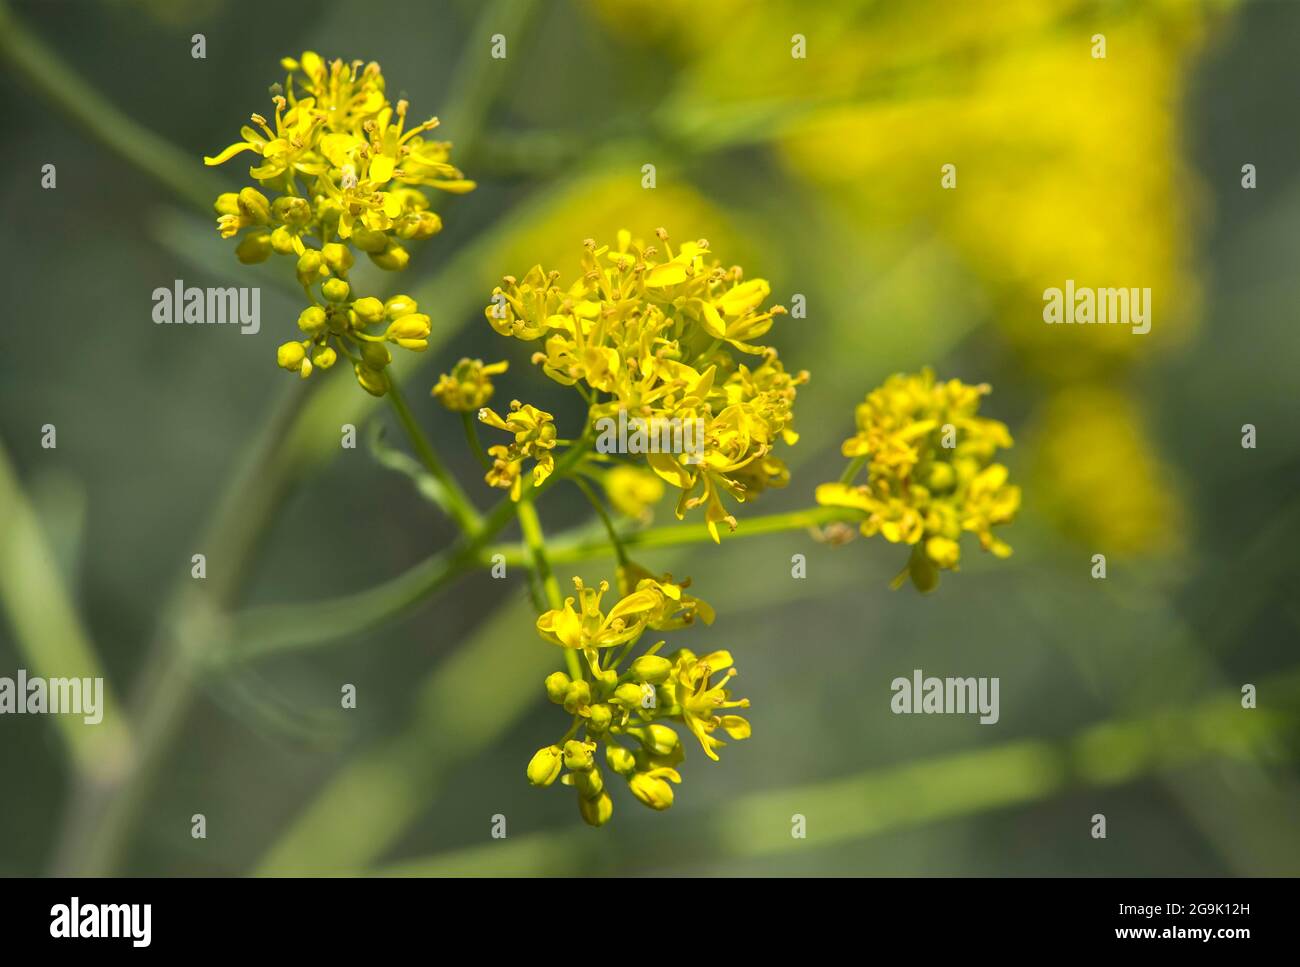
<point>1118,697</point>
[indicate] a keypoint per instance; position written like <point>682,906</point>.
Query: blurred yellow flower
<point>930,472</point>
<point>1100,480</point>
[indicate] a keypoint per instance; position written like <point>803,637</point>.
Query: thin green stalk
<point>278,628</point>
<point>852,469</point>
<point>535,541</point>
<point>471,437</point>
<point>531,528</point>
<point>568,549</point>
<point>454,500</point>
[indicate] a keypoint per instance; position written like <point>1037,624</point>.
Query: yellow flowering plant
<point>344,171</point>
<point>667,349</point>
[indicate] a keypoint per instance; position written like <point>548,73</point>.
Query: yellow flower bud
<point>292,210</point>
<point>578,755</point>
<point>282,240</point>
<point>399,305</point>
<point>325,358</point>
<point>371,381</point>
<point>393,259</point>
<point>601,716</point>
<point>596,812</point>
<point>254,206</point>
<point>620,759</point>
<point>944,552</point>
<point>468,386</point>
<point>311,267</point>
<point>545,766</point>
<point>659,739</point>
<point>652,789</point>
<point>652,668</point>
<point>417,225</point>
<point>557,685</point>
<point>590,784</point>
<point>411,331</point>
<point>372,243</point>
<point>369,310</point>
<point>577,697</point>
<point>227,203</point>
<point>312,320</point>
<point>629,694</point>
<point>337,257</point>
<point>339,319</point>
<point>253,248</point>
<point>290,356</point>
<point>336,290</point>
<point>375,355</point>
<point>305,369</point>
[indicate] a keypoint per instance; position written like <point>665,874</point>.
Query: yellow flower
<point>930,472</point>
<point>647,333</point>
<point>589,628</point>
<point>534,432</point>
<point>346,171</point>
<point>633,491</point>
<point>677,609</point>
<point>700,698</point>
<point>468,386</point>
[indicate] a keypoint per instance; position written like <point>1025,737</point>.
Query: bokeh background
<point>1118,697</point>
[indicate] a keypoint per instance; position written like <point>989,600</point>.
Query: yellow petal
<point>746,296</point>
<point>736,727</point>
<point>713,323</point>
<point>381,172</point>
<point>229,153</point>
<point>458,187</point>
<point>669,273</point>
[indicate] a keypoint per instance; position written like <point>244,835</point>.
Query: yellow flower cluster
<point>650,334</point>
<point>534,432</point>
<point>931,473</point>
<point>468,386</point>
<point>344,172</point>
<point>627,709</point>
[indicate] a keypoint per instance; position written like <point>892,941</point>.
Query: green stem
<point>570,549</point>
<point>851,470</point>
<point>278,628</point>
<point>531,528</point>
<point>471,437</point>
<point>454,500</point>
